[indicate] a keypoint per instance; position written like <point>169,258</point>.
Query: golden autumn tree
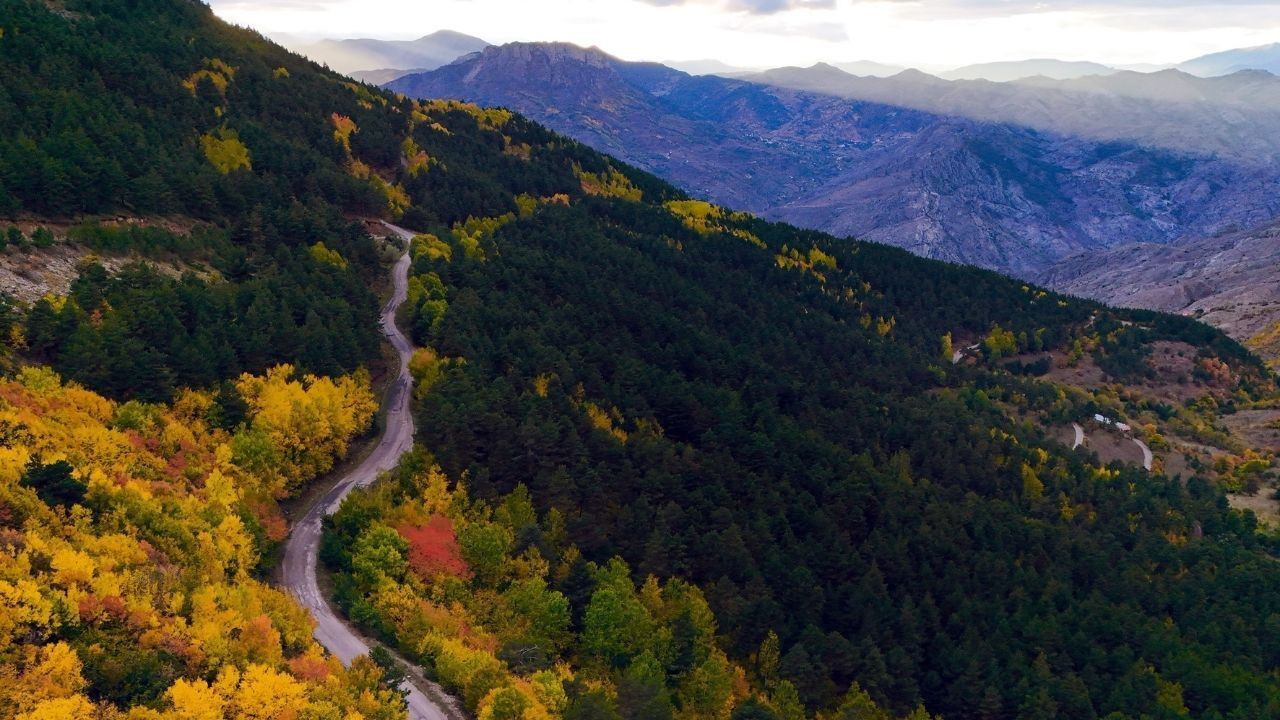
<point>160,573</point>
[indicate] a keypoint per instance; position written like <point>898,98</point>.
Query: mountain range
<point>796,145</point>
<point>1262,57</point>
<point>1019,69</point>
<point>1234,116</point>
<point>379,61</point>
<point>1227,62</point>
<point>389,57</point>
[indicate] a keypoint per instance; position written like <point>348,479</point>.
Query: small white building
<point>1108,422</point>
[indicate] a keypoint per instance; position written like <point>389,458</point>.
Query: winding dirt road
<point>426,700</point>
<point>1148,458</point>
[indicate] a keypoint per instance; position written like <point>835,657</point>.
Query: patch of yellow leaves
<point>323,254</point>
<point>216,71</point>
<point>224,151</point>
<point>610,183</point>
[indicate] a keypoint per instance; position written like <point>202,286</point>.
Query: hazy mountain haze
<point>365,54</point>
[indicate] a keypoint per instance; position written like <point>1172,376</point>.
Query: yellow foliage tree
<point>308,422</point>
<point>224,151</point>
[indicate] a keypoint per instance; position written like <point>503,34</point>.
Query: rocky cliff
<point>1229,281</point>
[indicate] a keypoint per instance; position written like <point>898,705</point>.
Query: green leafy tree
<point>393,673</point>
<point>485,547</point>
<point>786,701</point>
<point>616,626</point>
<point>858,705</point>
<point>767,659</point>
<point>593,704</point>
<point>379,556</point>
<point>543,614</point>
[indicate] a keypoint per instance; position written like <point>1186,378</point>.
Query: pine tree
<point>642,693</point>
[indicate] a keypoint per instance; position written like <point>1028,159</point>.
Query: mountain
<point>1018,69</point>
<point>988,193</point>
<point>384,75</point>
<point>709,67</point>
<point>869,67</point>
<point>1250,90</point>
<point>1263,57</point>
<point>365,54</point>
<point>1234,117</point>
<point>1228,280</point>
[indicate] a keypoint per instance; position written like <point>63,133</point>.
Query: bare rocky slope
<point>1229,281</point>
<point>994,194</point>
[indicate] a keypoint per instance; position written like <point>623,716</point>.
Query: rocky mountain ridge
<point>990,193</point>
<point>1235,117</point>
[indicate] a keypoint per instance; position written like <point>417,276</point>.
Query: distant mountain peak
<point>914,75</point>
<point>447,35</point>
<point>551,51</point>
<point>1227,62</point>
<point>1259,73</point>
<point>867,68</point>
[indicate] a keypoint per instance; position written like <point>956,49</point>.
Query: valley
<point>918,175</point>
<point>1157,194</point>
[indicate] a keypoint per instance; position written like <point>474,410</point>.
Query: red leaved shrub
<point>433,549</point>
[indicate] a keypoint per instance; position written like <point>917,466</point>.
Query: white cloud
<point>925,33</point>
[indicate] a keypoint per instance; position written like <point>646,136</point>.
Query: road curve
<point>1148,459</point>
<point>298,568</point>
<point>1079,435</point>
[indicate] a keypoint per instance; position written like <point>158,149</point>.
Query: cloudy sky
<point>925,33</point>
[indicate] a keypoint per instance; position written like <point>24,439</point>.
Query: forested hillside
<point>768,413</point>
<point>677,461</point>
<point>153,108</point>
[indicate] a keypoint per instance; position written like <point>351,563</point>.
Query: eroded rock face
<point>969,190</point>
<point>1231,281</point>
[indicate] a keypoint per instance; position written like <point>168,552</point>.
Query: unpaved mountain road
<point>1148,458</point>
<point>425,699</point>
